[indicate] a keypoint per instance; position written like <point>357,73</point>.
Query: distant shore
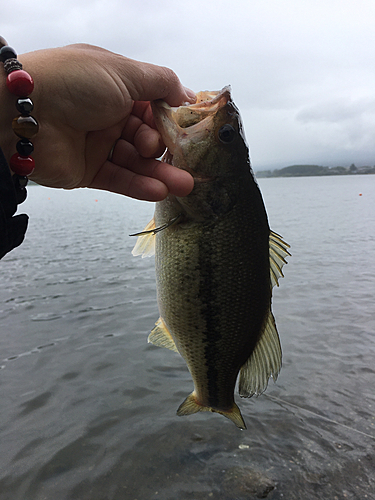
<point>314,170</point>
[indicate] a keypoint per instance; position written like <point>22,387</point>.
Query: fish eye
<point>227,134</point>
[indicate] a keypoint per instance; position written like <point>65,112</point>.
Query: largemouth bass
<point>216,259</point>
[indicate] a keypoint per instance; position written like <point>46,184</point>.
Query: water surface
<point>88,408</point>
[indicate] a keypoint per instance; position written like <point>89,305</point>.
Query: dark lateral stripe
<point>211,312</point>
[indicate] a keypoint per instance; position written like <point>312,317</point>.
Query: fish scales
<point>207,276</point>
<point>212,260</point>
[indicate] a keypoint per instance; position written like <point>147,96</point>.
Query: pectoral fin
<point>161,337</point>
<point>145,244</point>
<point>264,362</point>
<point>278,249</point>
<point>190,406</point>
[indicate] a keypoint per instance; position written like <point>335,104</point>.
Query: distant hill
<point>315,170</point>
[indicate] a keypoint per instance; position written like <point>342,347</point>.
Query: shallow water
<point>88,407</point>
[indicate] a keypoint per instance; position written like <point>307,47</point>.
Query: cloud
<point>338,110</point>
<point>302,73</point>
<point>348,125</point>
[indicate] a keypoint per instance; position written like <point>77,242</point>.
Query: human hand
<point>90,104</point>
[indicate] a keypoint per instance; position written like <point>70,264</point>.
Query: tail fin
<point>190,406</point>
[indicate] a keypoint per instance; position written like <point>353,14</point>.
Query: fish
<point>216,258</point>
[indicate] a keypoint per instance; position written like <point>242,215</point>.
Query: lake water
<point>88,408</point>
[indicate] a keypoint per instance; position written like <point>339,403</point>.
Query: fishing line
<point>279,401</point>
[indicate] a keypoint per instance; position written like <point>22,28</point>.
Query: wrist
<point>8,140</point>
<point>20,84</point>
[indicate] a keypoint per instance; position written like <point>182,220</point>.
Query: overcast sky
<point>302,71</point>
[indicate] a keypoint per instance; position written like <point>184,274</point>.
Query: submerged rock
<point>241,482</point>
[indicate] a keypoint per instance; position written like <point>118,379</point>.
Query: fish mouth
<point>188,115</point>
<point>207,105</point>
<point>189,122</point>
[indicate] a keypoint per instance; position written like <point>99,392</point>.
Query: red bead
<point>22,165</point>
<point>20,83</point>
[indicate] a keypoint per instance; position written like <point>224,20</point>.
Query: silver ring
<point>111,153</point>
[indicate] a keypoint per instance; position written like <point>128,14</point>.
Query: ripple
<point>35,350</point>
<point>46,317</point>
<point>94,416</point>
<point>35,403</point>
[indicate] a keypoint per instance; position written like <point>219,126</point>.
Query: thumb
<point>148,82</point>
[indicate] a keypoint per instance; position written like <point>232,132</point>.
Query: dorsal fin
<point>278,249</point>
<point>264,362</point>
<point>161,337</point>
<point>145,244</point>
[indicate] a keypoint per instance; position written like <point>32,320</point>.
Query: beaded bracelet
<point>20,84</point>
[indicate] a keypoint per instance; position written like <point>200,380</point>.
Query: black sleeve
<point>12,227</point>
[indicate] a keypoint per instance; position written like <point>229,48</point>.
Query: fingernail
<point>191,94</point>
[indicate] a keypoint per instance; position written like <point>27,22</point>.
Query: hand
<point>90,104</point>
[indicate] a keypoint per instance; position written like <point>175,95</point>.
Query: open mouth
<point>189,121</point>
<point>207,105</point>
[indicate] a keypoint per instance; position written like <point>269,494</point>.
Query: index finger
<point>142,110</point>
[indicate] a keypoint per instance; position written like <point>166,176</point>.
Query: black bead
<point>3,42</point>
<point>25,147</point>
<point>24,105</point>
<point>7,52</point>
<point>20,182</point>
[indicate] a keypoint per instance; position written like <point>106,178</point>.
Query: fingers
<point>143,178</point>
<point>146,140</point>
<point>178,182</point>
<point>120,180</point>
<point>143,110</point>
